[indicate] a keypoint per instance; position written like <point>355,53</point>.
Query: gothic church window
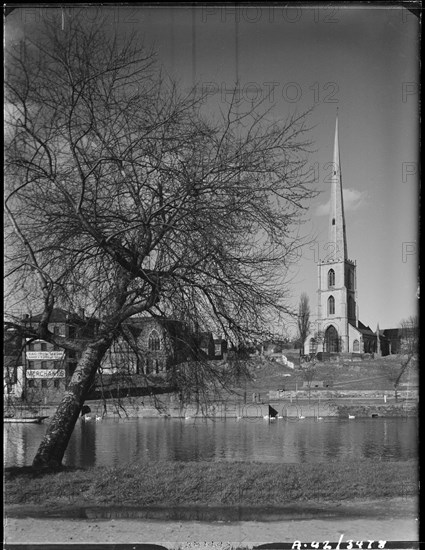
<point>331,305</point>
<point>154,342</point>
<point>331,278</point>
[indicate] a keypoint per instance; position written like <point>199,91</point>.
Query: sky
<point>363,61</point>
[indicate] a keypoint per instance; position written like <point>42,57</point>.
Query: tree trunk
<point>53,446</point>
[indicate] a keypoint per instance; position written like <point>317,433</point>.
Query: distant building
<point>220,348</point>
<point>206,346</point>
<point>368,338</point>
<point>12,364</point>
<point>41,371</point>
<point>149,346</point>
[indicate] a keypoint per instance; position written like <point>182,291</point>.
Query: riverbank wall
<point>293,407</point>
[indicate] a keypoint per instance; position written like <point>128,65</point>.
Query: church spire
<point>337,219</point>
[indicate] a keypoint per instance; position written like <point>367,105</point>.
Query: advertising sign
<point>46,373</point>
<point>45,355</point>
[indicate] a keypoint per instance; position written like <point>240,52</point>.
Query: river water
<point>114,441</point>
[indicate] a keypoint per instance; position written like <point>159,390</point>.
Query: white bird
<point>86,418</point>
<point>301,417</point>
<point>187,417</point>
<point>350,416</point>
<point>98,418</point>
<point>266,417</point>
<point>319,418</point>
<point>280,416</point>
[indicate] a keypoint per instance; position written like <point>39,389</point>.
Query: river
<point>115,441</point>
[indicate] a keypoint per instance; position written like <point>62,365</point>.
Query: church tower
<point>337,294</point>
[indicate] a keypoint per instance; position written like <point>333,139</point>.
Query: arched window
<point>331,340</point>
<point>356,346</point>
<point>331,305</point>
<point>331,278</point>
<point>313,346</point>
<point>154,342</point>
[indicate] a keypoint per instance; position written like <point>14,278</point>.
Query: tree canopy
<point>124,197</point>
<point>127,197</point>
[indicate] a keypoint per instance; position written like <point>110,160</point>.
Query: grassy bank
<point>190,483</point>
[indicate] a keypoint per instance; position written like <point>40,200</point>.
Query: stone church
<point>338,329</point>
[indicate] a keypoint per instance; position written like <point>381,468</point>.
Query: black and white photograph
<point>211,276</point>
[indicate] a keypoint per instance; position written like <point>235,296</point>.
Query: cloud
<point>353,199</point>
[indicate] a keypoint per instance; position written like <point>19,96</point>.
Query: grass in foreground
<point>216,483</point>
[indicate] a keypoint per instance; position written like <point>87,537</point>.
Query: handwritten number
<point>339,542</point>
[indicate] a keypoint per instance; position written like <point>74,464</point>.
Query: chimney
<point>81,312</point>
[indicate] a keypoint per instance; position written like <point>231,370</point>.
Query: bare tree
<point>303,320</point>
<point>409,342</point>
<point>309,371</point>
<point>124,198</point>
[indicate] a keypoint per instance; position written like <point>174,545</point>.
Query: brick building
<point>47,368</point>
<point>39,372</point>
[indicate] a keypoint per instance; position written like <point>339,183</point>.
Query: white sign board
<point>46,373</point>
<point>45,355</point>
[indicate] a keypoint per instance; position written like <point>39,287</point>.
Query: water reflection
<point>112,441</point>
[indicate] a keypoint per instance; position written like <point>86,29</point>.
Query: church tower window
<point>331,305</point>
<point>331,278</point>
<point>154,342</point>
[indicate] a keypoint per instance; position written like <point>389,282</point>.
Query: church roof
<point>58,315</point>
<point>366,331</point>
<point>391,332</point>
